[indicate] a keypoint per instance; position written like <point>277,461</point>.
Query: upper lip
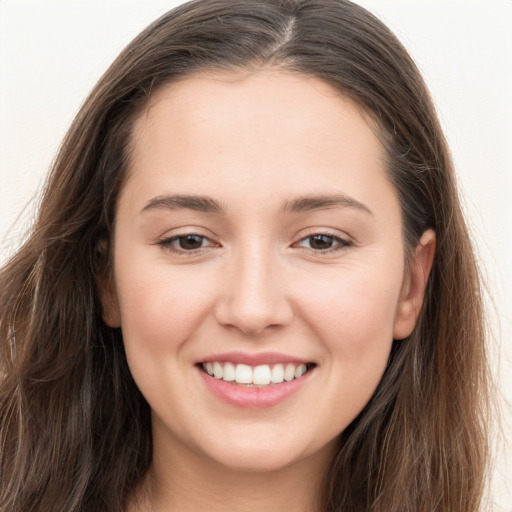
<point>254,359</point>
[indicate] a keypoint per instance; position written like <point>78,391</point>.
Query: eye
<point>324,242</point>
<point>190,242</point>
<point>187,243</point>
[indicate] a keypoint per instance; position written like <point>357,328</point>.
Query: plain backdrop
<point>52,52</point>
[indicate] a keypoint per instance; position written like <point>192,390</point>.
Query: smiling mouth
<point>256,376</point>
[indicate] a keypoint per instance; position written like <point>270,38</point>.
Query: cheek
<point>353,318</point>
<point>160,309</point>
<point>354,303</point>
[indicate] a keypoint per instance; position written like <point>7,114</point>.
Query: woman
<point>250,283</point>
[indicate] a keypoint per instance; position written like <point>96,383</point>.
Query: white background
<point>52,52</point>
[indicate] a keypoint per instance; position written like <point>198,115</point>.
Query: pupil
<point>321,242</point>
<point>190,242</point>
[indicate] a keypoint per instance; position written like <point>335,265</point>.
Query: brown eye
<point>186,244</point>
<point>324,243</point>
<point>321,242</point>
<point>190,242</point>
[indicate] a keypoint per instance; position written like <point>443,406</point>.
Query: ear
<point>413,288</point>
<point>110,311</point>
<point>109,303</point>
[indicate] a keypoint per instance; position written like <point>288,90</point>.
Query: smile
<point>261,375</point>
<point>255,381</point>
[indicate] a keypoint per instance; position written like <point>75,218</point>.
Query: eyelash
<point>168,244</point>
<point>341,243</point>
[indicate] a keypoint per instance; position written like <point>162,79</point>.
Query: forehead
<point>285,130</point>
<point>253,102</point>
<point>269,94</point>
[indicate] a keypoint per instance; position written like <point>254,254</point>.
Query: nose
<point>253,299</point>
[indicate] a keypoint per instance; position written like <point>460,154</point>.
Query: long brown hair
<point>74,429</point>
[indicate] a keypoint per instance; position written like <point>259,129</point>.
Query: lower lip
<point>253,397</point>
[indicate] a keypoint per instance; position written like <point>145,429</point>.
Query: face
<point>259,274</point>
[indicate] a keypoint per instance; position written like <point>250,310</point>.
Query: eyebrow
<point>302,204</point>
<point>178,202</point>
<point>323,202</point>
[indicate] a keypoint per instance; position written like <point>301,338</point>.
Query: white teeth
<point>277,374</point>
<point>218,371</point>
<point>243,374</point>
<point>262,375</point>
<point>289,373</point>
<point>229,372</point>
<point>300,371</point>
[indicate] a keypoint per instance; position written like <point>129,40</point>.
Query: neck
<point>191,483</point>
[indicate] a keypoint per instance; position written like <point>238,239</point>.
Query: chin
<point>256,461</point>
<point>264,454</point>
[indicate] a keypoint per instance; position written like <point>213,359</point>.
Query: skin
<point>259,282</point>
